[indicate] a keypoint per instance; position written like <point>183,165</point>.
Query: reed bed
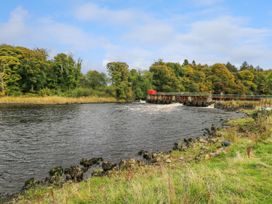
<point>236,104</point>
<point>26,100</point>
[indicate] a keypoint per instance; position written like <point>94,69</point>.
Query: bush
<point>84,92</point>
<point>46,92</point>
<point>80,92</point>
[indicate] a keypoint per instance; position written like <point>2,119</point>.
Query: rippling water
<point>34,139</point>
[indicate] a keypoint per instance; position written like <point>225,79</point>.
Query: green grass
<point>241,122</point>
<point>230,177</point>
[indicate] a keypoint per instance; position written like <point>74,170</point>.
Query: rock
<point>142,152</point>
<point>213,154</point>
<point>127,164</point>
<point>183,148</point>
<point>30,183</point>
<point>180,146</point>
<point>201,140</point>
<point>213,140</point>
<point>156,159</point>
<point>74,173</point>
<point>90,162</point>
<point>176,146</point>
<point>226,143</point>
<point>210,132</point>
<point>168,161</point>
<point>107,166</point>
<point>98,172</point>
<point>56,171</point>
<point>55,175</point>
<point>188,141</point>
<point>147,156</point>
<point>56,179</point>
<point>181,158</point>
<point>207,156</point>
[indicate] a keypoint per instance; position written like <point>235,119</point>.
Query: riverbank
<point>232,165</point>
<point>237,105</point>
<point>51,100</point>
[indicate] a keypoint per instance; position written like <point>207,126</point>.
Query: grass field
<point>196,175</point>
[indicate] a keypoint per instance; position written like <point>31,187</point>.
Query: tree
<point>246,76</point>
<point>222,79</point>
<point>231,67</point>
<point>164,78</point>
<point>95,79</point>
<point>33,69</point>
<point>9,76</point>
<point>185,62</point>
<point>119,73</point>
<point>66,72</point>
<point>244,66</point>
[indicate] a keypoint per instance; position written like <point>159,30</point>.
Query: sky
<point>140,32</point>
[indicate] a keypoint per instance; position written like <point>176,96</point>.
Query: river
<point>33,139</point>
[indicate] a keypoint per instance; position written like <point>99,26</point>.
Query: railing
<point>218,96</point>
<point>183,93</point>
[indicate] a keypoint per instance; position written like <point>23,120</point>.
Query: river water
<point>33,139</point>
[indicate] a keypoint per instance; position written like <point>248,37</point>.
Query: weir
<point>197,99</point>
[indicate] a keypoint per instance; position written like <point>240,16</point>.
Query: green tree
<point>66,72</point>
<point>33,69</point>
<point>9,76</point>
<point>164,78</point>
<point>222,79</point>
<point>231,67</point>
<point>94,79</point>
<point>119,74</point>
<point>247,76</point>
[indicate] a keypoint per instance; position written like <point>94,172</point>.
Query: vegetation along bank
<point>30,72</point>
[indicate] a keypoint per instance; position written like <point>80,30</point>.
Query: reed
<point>236,104</point>
<point>32,100</point>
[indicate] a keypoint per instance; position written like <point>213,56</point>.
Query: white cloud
<point>15,27</point>
<point>93,12</point>
<point>153,32</point>
<point>223,39</point>
<point>24,30</point>
<point>136,57</point>
<point>68,35</point>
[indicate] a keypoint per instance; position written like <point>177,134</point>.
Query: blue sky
<point>140,31</point>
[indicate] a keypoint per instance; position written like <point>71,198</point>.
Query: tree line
<point>26,71</point>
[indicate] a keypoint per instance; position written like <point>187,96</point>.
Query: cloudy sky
<point>142,31</point>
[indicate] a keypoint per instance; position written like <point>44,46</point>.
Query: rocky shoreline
<point>94,167</point>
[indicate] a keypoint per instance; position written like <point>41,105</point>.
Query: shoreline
<point>152,159</point>
<point>147,158</point>
<point>54,100</point>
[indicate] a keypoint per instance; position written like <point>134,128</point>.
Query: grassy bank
<point>204,173</point>
<point>54,100</point>
<point>236,105</point>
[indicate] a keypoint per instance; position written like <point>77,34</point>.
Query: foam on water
<point>154,108</point>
